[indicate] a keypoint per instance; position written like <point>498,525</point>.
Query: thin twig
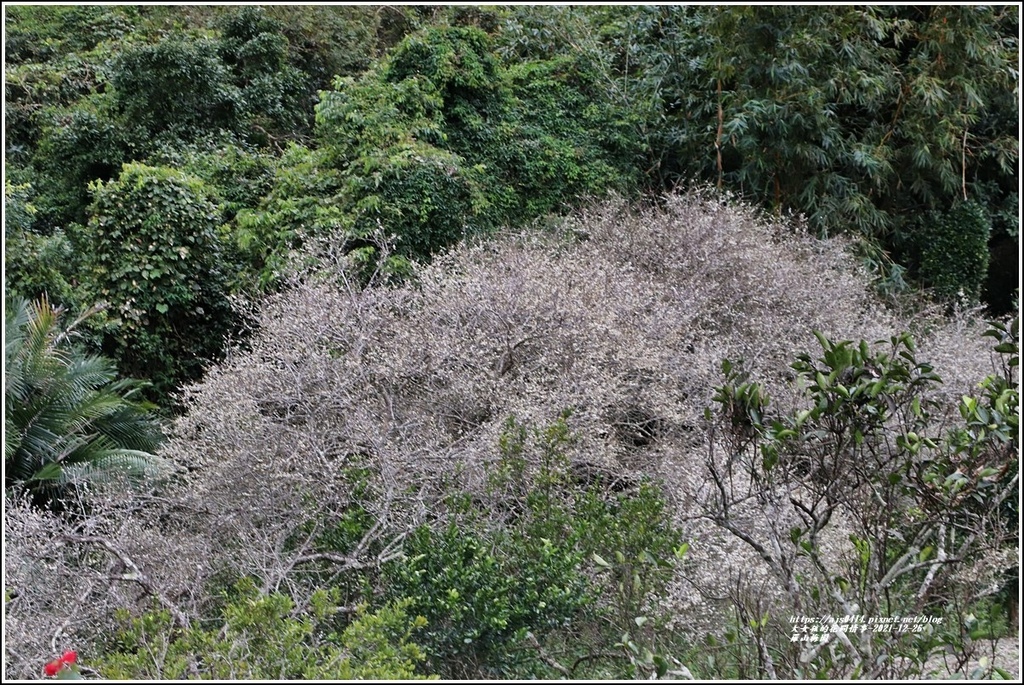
<point>136,573</point>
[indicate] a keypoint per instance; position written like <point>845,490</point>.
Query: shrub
<point>35,265</point>
<point>325,42</point>
<point>399,178</point>
<point>175,85</point>
<point>863,460</point>
<point>275,98</point>
<point>482,592</point>
<point>238,174</point>
<point>79,145</point>
<point>35,89</point>
<point>154,253</point>
<point>443,140</point>
<point>292,211</point>
<point>268,637</point>
<point>523,564</point>
<point>486,579</point>
<point>954,252</point>
<point>36,33</point>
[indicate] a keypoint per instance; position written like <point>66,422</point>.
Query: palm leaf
<point>67,418</point>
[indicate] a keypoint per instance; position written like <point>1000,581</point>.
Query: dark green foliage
<point>79,145</point>
<point>155,255</point>
<point>327,41</point>
<point>35,265</point>
<point>240,173</point>
<point>178,86</point>
<point>387,134</point>
<point>954,252</point>
<point>33,90</point>
<point>423,195</point>
<point>457,60</point>
<point>852,116</point>
<point>67,419</point>
<point>39,33</point>
<point>275,98</point>
<point>444,139</point>
<point>858,117</point>
<point>183,77</point>
<point>251,43</point>
<point>299,203</point>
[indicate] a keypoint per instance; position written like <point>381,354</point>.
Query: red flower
<point>66,659</point>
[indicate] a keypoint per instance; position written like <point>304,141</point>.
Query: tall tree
<point>861,118</point>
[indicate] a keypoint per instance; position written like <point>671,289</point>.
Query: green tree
<point>860,118</point>
<point>79,144</point>
<point>154,253</point>
<point>443,138</point>
<point>275,98</point>
<point>919,501</point>
<point>67,418</point>
<point>178,86</point>
<point>35,264</point>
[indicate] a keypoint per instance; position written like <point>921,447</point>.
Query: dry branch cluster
<point>621,314</point>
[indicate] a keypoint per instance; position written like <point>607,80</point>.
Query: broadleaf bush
<point>155,255</point>
<point>267,636</point>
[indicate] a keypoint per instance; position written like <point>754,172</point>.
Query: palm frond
<point>68,419</point>
<point>116,464</point>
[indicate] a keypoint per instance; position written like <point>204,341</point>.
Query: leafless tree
<point>387,397</point>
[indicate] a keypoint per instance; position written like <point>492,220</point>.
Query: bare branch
<point>136,575</point>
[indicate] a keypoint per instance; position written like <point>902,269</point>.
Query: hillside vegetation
<point>519,342</point>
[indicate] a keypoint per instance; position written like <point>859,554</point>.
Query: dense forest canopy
<point>509,341</point>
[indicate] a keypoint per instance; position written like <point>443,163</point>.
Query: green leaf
<point>661,665</point>
<point>51,471</point>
